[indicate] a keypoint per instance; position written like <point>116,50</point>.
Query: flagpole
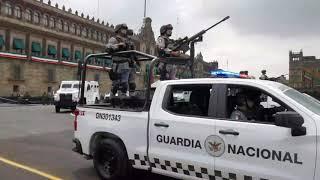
<point>145,8</point>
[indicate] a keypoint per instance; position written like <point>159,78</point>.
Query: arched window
<point>52,22</point>
<point>98,36</point>
<point>73,29</point>
<point>66,27</point>
<point>59,25</point>
<point>79,31</point>
<point>84,32</point>
<point>104,38</point>
<point>94,35</point>
<point>36,17</point>
<point>7,8</point>
<point>17,12</point>
<point>28,15</point>
<point>46,20</point>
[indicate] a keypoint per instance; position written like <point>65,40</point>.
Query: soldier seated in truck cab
<point>254,105</point>
<point>247,106</point>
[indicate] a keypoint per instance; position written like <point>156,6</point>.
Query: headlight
<point>56,97</point>
<point>75,97</point>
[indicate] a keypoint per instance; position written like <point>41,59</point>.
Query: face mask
<point>169,32</point>
<point>124,31</point>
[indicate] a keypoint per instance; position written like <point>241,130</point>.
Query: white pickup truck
<point>196,138</point>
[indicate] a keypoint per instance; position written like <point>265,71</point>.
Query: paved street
<point>37,137</point>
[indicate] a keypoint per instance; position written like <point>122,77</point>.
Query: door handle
<point>229,131</point>
<point>161,125</point>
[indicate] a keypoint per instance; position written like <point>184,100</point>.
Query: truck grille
<point>66,97</point>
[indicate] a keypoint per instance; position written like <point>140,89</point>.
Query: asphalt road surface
<point>36,143</point>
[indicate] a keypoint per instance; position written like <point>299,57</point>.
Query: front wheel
<point>110,160</point>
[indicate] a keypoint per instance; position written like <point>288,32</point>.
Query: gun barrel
<point>224,19</point>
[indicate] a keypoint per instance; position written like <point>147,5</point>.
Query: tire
<point>110,160</point>
<point>57,109</point>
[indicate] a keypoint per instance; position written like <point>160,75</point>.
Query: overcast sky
<point>258,35</point>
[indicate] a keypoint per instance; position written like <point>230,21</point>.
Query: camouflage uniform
<point>132,63</point>
<point>167,71</point>
<point>120,70</point>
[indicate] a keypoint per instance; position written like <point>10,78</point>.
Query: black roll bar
<point>140,56</point>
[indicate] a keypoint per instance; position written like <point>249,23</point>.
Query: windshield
<point>76,86</point>
<point>66,85</point>
<point>304,100</point>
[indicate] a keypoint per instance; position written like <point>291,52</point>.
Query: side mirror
<point>291,120</point>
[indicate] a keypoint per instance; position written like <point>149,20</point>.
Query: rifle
<point>183,44</point>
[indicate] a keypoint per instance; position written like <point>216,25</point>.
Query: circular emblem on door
<point>214,145</point>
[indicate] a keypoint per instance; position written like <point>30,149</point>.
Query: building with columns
<point>41,44</point>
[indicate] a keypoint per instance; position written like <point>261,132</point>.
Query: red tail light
<point>75,122</point>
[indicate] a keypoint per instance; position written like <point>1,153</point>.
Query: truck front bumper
<point>65,104</point>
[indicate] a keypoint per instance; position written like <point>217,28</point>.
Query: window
<point>66,86</point>
<point>2,42</point>
<point>18,45</point>
<point>79,31</point>
<point>15,88</point>
<point>7,8</point>
<point>65,54</point>
<point>46,20</point>
<point>304,100</point>
<point>98,36</point>
<point>36,48</point>
<point>73,29</point>
<point>76,86</point>
<point>52,22</point>
<point>188,99</point>
<point>84,32</point>
<point>59,25</point>
<point>51,75</point>
<point>36,18</point>
<point>77,55</point>
<point>66,27</point>
<point>94,36</point>
<point>52,51</point>
<point>104,38</point>
<point>28,15</point>
<point>17,12</point>
<point>246,103</point>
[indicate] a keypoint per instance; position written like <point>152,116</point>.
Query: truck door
<point>179,127</point>
<point>253,147</point>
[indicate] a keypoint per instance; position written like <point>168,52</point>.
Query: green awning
<point>35,47</point>
<point>65,53</point>
<point>18,44</point>
<point>77,55</point>
<point>1,41</point>
<point>52,50</point>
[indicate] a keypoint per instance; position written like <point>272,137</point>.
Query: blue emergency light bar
<point>227,74</point>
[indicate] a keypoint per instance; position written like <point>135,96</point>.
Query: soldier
<point>264,76</point>
<point>132,64</point>
<point>119,73</point>
<point>167,72</point>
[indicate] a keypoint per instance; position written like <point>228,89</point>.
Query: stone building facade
<point>41,44</point>
<point>304,72</point>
